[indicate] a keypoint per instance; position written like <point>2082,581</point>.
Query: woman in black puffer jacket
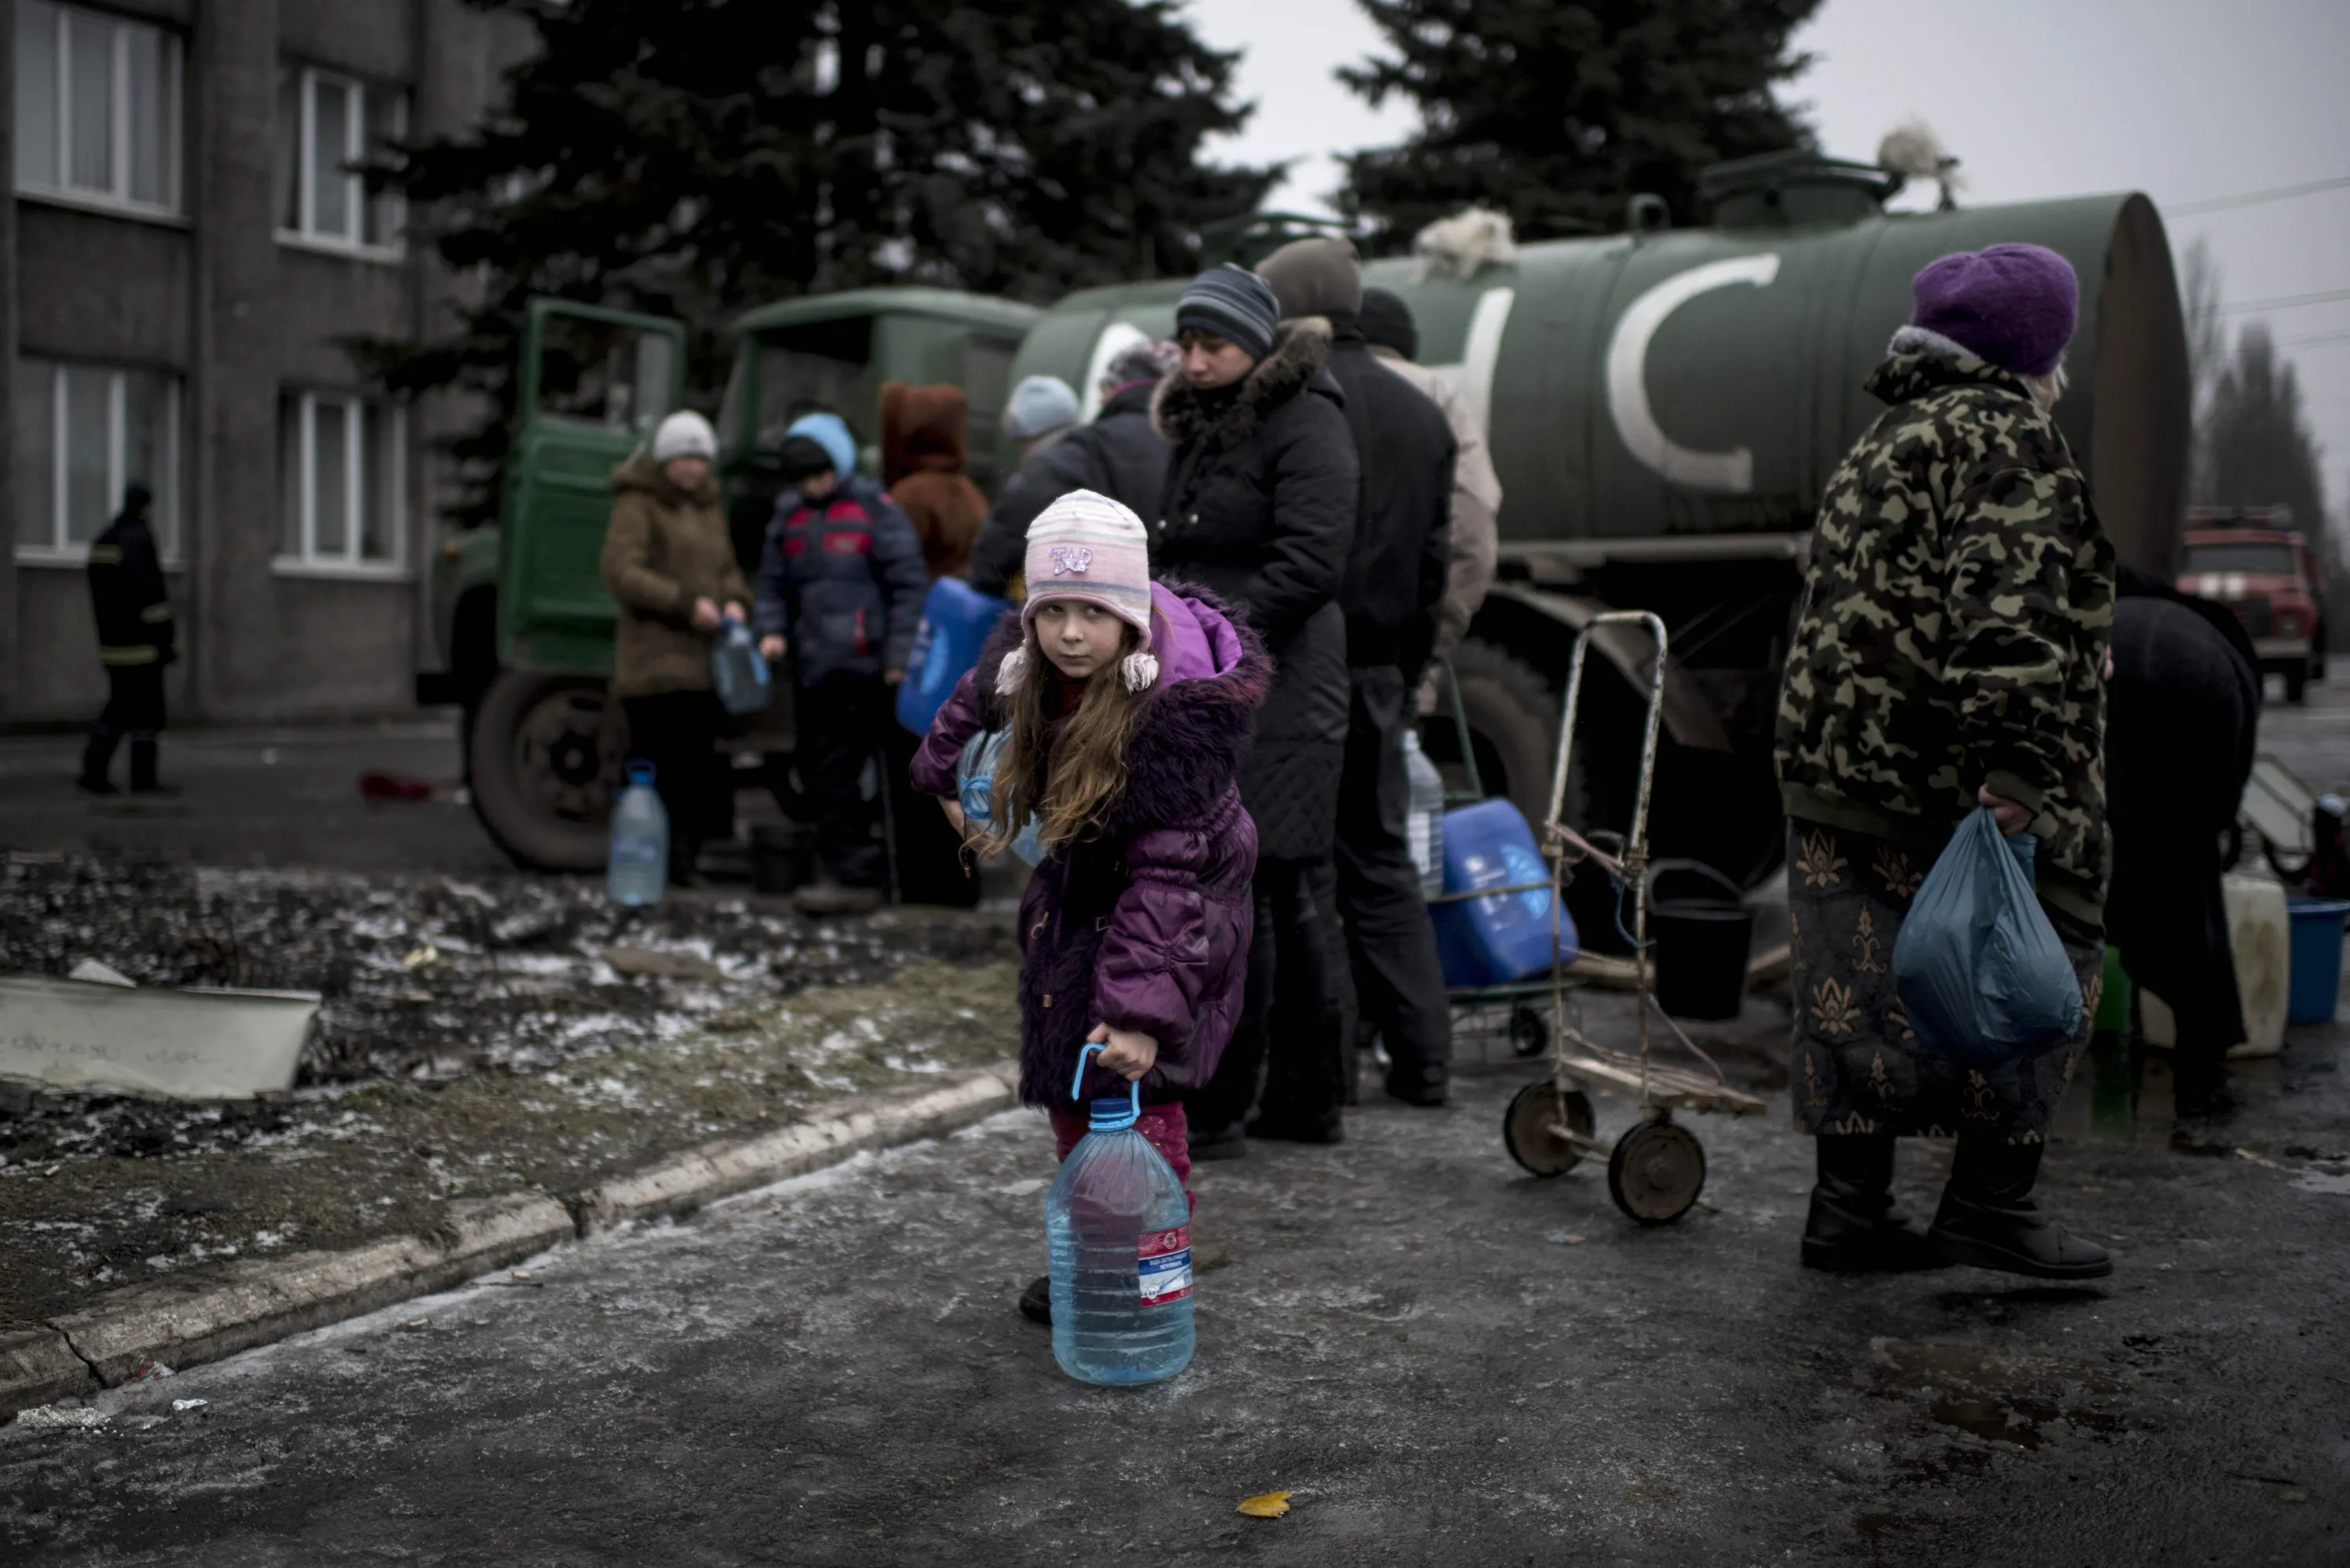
<point>1259,508</point>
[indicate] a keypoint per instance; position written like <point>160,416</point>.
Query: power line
<point>2285,302</point>
<point>2254,198</point>
<point>2315,337</point>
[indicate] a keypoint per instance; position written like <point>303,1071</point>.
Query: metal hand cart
<point>1657,1168</point>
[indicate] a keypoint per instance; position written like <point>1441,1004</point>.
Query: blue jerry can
<point>1506,936</point>
<point>956,620</point>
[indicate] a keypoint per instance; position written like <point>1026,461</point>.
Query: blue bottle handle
<point>1077,1085</point>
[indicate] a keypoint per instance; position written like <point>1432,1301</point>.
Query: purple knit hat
<point>2010,306</point>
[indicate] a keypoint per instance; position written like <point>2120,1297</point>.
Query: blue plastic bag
<point>975,791</point>
<point>1977,965</point>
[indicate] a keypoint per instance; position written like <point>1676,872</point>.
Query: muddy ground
<point>478,1035</point>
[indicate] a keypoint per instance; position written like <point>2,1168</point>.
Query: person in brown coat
<point>923,445</point>
<point>671,568</point>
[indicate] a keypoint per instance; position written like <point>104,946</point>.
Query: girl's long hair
<point>1069,783</point>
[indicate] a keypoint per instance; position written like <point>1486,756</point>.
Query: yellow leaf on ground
<point>1265,1505</point>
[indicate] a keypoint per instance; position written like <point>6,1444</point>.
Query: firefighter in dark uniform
<point>136,638</point>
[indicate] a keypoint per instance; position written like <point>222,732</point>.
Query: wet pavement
<point>1444,1361</point>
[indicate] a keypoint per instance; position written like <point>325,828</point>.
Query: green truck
<point>1664,406</point>
<point>521,619</point>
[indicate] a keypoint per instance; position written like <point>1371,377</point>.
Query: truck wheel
<point>1513,723</point>
<point>544,758</point>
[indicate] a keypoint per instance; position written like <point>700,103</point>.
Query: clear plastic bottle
<point>638,869</point>
<point>1118,1230</point>
<point>1424,816</point>
<point>737,669</point>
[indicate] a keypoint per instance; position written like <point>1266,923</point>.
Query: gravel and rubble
<point>477,1036</point>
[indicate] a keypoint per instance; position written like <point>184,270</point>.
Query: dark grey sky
<point>2184,100</point>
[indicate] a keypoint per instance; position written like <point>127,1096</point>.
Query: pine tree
<point>2258,443</point>
<point>695,158</point>
<point>1557,113</point>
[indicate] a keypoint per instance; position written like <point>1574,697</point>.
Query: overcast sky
<point>2185,99</point>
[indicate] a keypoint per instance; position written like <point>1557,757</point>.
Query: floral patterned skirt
<point>1857,1065</point>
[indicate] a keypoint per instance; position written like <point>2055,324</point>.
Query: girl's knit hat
<point>1088,547</point>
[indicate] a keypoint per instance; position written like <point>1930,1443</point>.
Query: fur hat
<point>2010,306</point>
<point>1152,360</point>
<point>1088,548</point>
<point>1233,304</point>
<point>684,434</point>
<point>1316,276</point>
<point>1039,404</point>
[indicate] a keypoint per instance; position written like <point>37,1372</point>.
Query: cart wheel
<point>1530,1130</point>
<point>1529,1031</point>
<point>1657,1172</point>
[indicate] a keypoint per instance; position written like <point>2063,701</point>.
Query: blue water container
<point>956,620</point>
<point>738,670</point>
<point>1118,1231</point>
<point>637,868</point>
<point>1506,936</point>
<point>2315,983</point>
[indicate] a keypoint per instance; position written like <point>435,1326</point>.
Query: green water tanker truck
<point>522,624</point>
<point>1665,406</point>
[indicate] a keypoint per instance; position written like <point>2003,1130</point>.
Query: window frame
<point>305,234</point>
<point>172,117</point>
<point>310,562</point>
<point>59,550</point>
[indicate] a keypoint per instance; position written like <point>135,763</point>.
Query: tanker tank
<point>1665,407</point>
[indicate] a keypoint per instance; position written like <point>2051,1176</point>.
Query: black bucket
<point>783,856</point>
<point>1701,941</point>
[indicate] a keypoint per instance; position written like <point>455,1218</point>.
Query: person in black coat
<point>137,639</point>
<point>1392,596</point>
<point>1119,454</point>
<point>1259,508</point>
<point>2182,715</point>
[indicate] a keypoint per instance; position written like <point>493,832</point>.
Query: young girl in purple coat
<point>1129,706</point>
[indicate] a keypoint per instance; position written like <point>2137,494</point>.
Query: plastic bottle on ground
<point>1424,818</point>
<point>638,869</point>
<point>1118,1229</point>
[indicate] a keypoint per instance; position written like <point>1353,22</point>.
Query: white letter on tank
<point>1627,377</point>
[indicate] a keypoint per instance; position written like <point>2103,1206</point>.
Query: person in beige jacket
<point>672,570</point>
<point>1476,488</point>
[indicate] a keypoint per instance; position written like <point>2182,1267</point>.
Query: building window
<point>327,126</point>
<point>98,109</point>
<point>84,433</point>
<point>342,481</point>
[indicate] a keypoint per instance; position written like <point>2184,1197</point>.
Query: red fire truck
<point>2253,559</point>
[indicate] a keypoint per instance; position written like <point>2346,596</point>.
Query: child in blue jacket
<point>841,584</point>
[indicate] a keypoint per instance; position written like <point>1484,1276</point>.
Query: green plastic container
<point>2113,998</point>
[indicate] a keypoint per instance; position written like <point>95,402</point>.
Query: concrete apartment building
<point>185,248</point>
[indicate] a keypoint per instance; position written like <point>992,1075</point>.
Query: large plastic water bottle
<point>1118,1232</point>
<point>1424,816</point>
<point>737,669</point>
<point>638,868</point>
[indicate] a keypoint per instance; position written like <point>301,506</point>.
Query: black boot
<point>1854,1226</point>
<point>96,758</point>
<point>1989,1220</point>
<point>143,768</point>
<point>1036,1300</point>
<point>1421,1085</point>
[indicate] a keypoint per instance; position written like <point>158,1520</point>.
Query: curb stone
<point>260,1301</point>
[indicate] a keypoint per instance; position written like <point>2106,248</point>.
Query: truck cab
<point>522,624</point>
<point>2253,559</point>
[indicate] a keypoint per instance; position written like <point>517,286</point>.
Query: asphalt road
<point>1445,1361</point>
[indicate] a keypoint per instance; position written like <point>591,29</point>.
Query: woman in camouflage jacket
<point>1950,653</point>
